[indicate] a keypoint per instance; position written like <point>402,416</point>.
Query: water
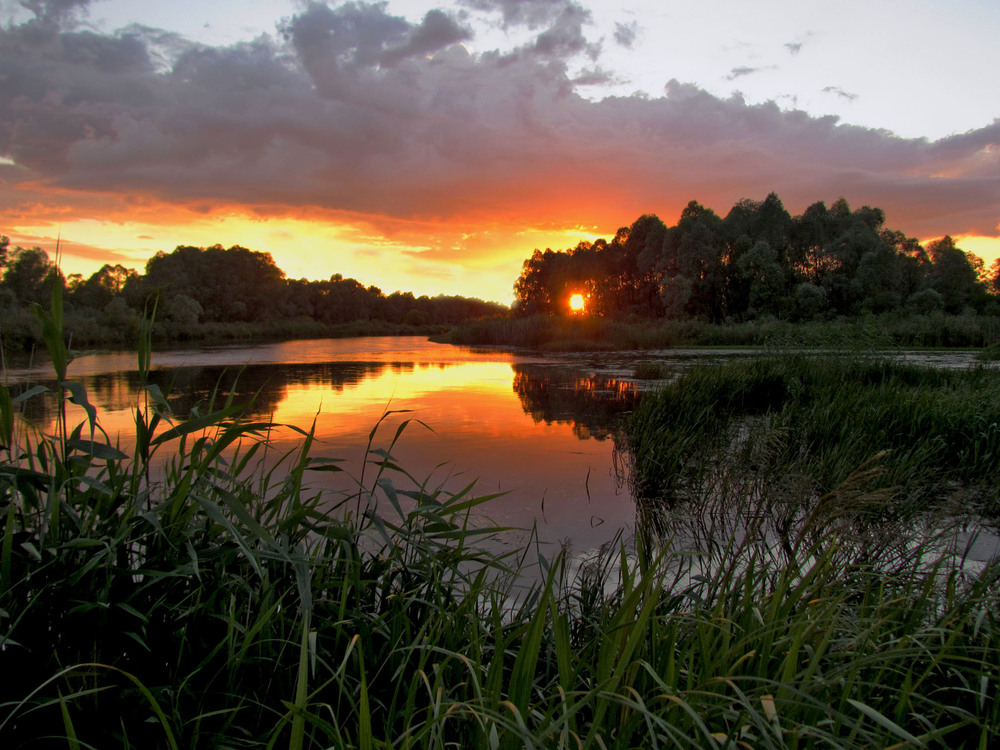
<point>538,430</point>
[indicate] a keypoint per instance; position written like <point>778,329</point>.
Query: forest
<point>760,263</point>
<point>210,294</point>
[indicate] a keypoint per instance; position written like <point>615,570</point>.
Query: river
<point>539,431</point>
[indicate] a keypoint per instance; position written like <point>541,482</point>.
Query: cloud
<point>530,13</point>
<point>596,76</point>
<point>743,71</point>
<point>565,37</point>
<point>793,47</point>
<point>354,112</point>
<point>626,34</point>
<point>837,91</point>
<point>437,32</point>
<point>53,13</point>
<point>740,72</point>
<point>93,253</point>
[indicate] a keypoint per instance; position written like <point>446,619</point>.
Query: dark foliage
<point>759,262</point>
<point>212,294</point>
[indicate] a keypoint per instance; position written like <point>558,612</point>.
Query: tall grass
<point>180,593</point>
<point>917,433</point>
<point>592,333</point>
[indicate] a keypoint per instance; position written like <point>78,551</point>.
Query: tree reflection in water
<point>263,386</point>
<point>593,405</point>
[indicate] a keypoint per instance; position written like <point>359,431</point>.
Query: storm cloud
<point>350,110</point>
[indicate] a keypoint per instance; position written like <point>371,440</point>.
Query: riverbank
<point>583,333</point>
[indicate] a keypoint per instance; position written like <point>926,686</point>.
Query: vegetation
<point>193,591</point>
<point>595,333</point>
<point>759,263</point>
<point>212,295</point>
<point>863,434</point>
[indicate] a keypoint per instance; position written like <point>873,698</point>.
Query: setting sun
<point>577,303</point>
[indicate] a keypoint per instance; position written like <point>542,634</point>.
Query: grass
<point>560,333</point>
<point>650,371</point>
<point>179,593</point>
<point>913,432</point>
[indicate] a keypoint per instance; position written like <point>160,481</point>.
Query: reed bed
<point>917,433</point>
<point>215,602</point>
<point>596,333</point>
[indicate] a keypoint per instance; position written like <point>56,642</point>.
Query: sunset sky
<point>431,146</point>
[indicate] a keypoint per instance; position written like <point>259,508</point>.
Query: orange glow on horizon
<point>471,256</point>
<point>423,258</point>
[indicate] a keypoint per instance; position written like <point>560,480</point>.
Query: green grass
<point>561,333</point>
<point>179,593</point>
<point>915,433</point>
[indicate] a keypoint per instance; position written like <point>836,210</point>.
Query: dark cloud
<point>55,13</point>
<point>565,37</point>
<point>596,76</point>
<point>437,31</point>
<point>626,34</point>
<point>355,112</point>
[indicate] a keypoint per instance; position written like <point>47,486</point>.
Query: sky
<point>431,146</point>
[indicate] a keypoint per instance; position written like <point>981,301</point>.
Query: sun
<point>577,303</point>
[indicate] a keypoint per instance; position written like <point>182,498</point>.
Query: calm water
<point>540,430</point>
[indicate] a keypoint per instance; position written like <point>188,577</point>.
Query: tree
<point>953,276</point>
<point>103,286</point>
<point>230,285</point>
<point>760,267</point>
<point>183,310</point>
<point>694,250</point>
<point>30,274</point>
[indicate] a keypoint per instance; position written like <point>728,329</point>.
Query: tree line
<point>759,262</point>
<point>211,292</point>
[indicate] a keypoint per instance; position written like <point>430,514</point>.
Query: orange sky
<point>361,143</point>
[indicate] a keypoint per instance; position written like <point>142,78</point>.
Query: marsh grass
<point>595,333</point>
<point>830,425</point>
<point>217,602</point>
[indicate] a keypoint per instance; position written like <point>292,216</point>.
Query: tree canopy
<point>758,262</point>
<point>206,286</point>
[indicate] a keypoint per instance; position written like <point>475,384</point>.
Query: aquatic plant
<point>924,433</point>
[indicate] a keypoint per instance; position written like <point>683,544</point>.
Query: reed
<point>924,432</point>
<point>192,591</point>
<point>594,333</point>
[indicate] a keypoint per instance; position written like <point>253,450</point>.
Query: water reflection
<point>592,405</point>
<point>263,387</point>
<point>539,430</point>
<point>533,429</point>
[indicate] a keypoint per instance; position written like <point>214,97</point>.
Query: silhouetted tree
<point>29,275</point>
<point>953,276</point>
<point>103,285</point>
<point>757,261</point>
<point>230,285</point>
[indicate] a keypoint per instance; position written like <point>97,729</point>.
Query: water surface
<point>538,431</point>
